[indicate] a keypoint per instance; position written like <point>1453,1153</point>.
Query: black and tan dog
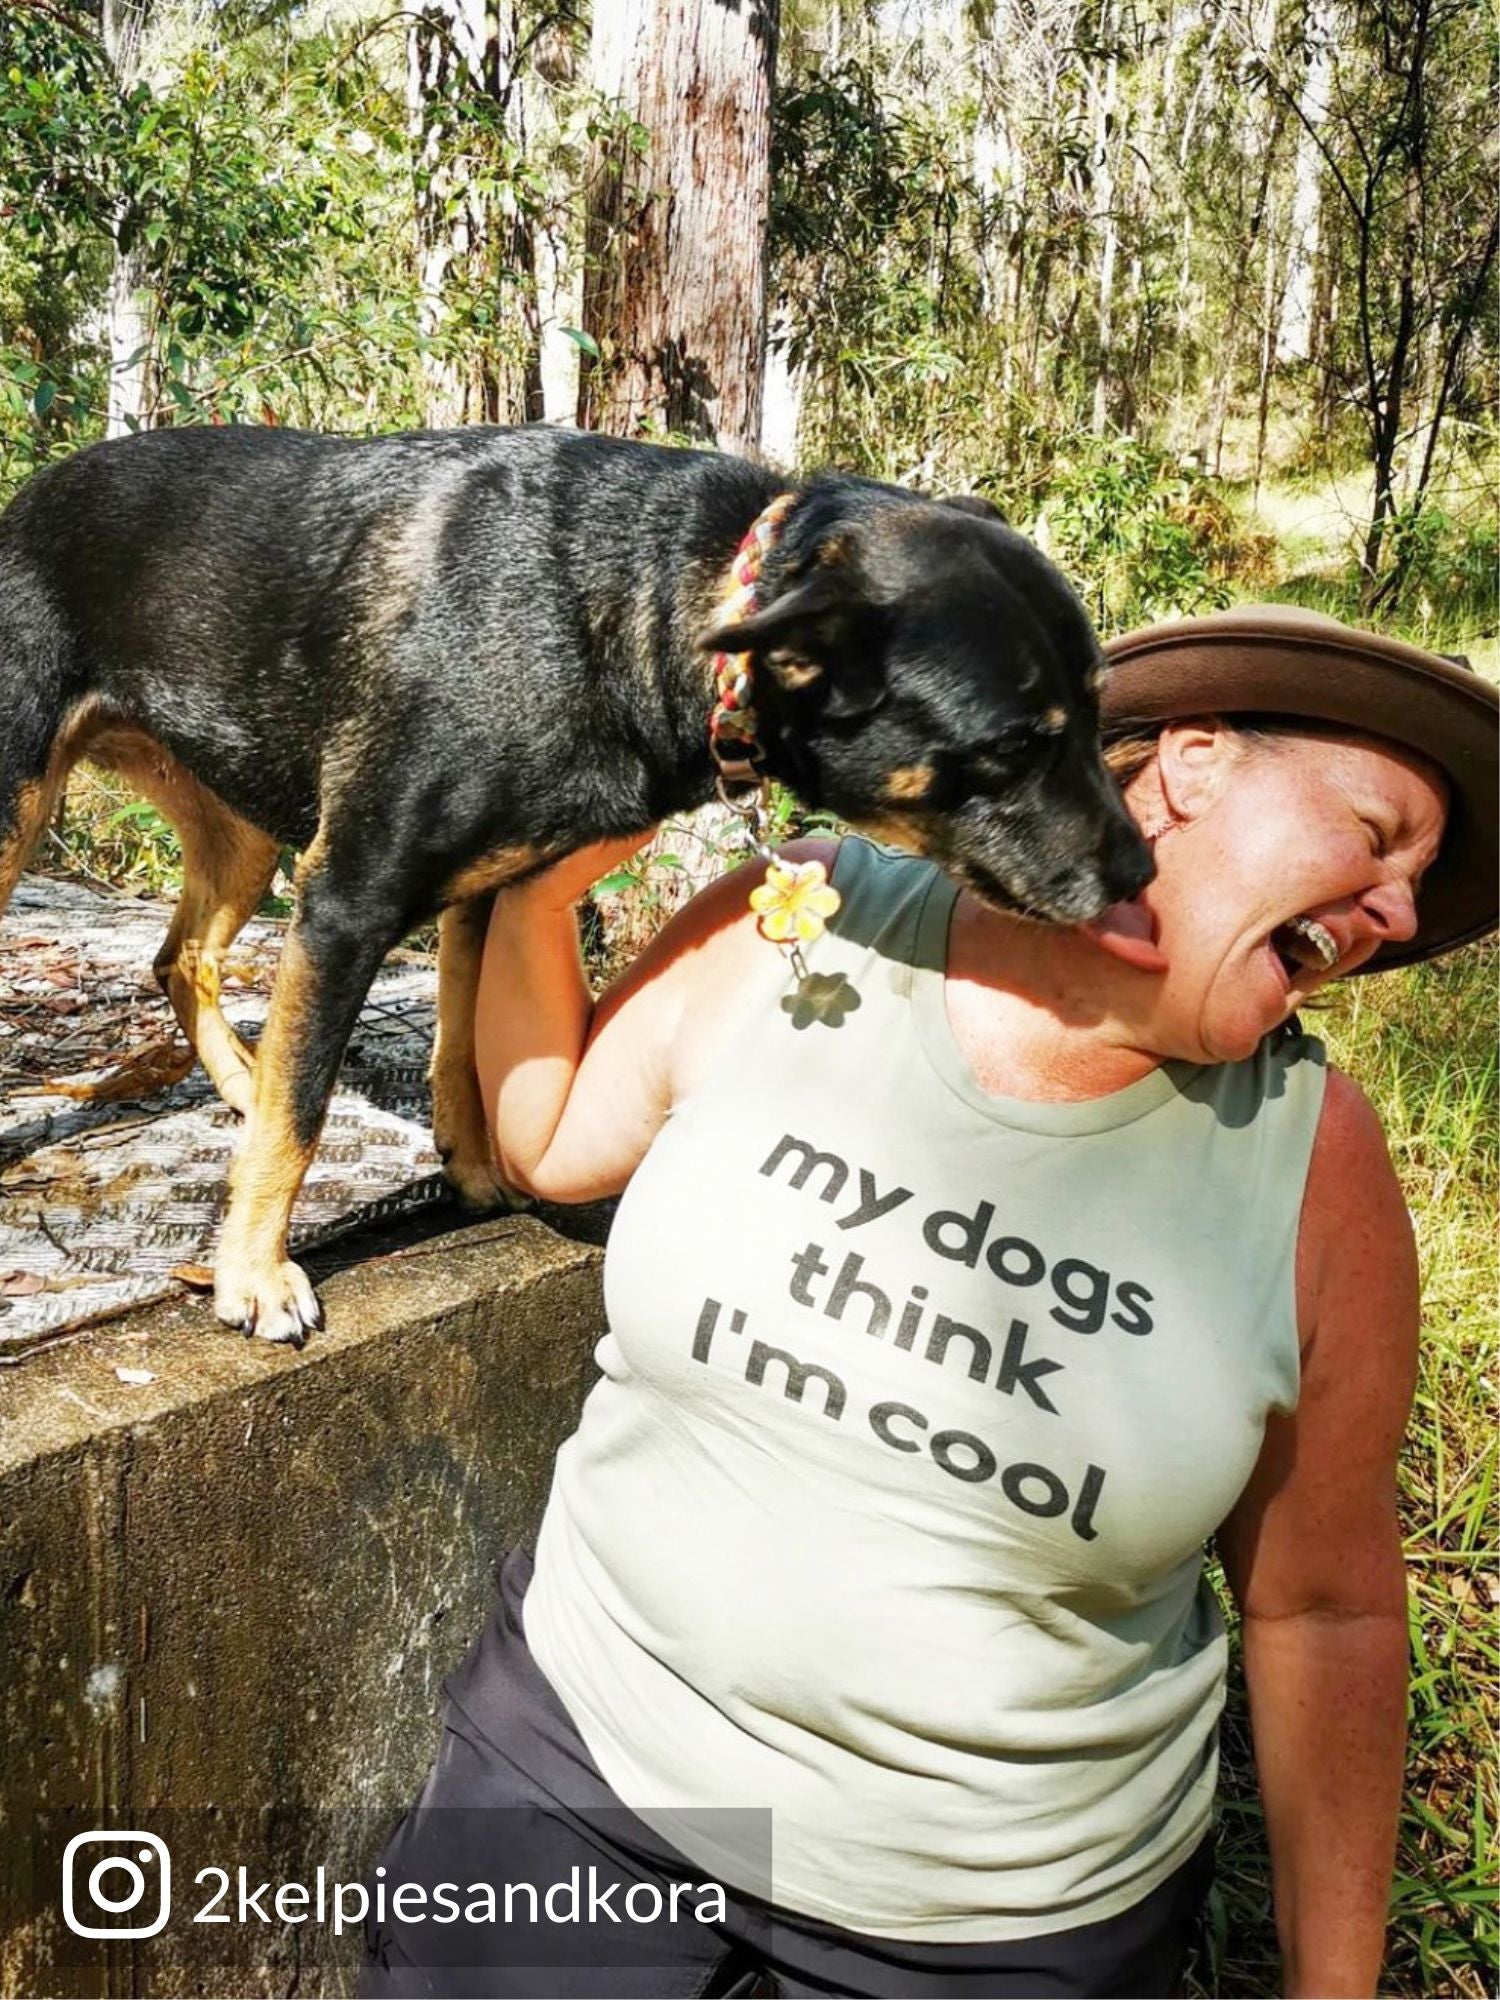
<point>436,662</point>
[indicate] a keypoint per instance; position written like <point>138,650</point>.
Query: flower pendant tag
<point>794,902</point>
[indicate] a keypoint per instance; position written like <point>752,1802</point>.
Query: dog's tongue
<point>1125,931</point>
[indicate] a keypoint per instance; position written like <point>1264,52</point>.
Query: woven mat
<point>100,1200</point>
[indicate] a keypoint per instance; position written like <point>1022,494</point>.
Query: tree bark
<point>1322,344</point>
<point>674,277</point>
<point>1104,183</point>
<point>1405,150</point>
<point>458,50</point>
<point>674,290</point>
<point>1294,338</point>
<point>128,317</point>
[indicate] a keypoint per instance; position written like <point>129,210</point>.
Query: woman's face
<point>1285,864</point>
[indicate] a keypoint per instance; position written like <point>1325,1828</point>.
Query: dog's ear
<point>975,503</point>
<point>811,634</point>
<point>802,620</point>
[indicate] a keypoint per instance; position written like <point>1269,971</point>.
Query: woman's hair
<point>1128,754</point>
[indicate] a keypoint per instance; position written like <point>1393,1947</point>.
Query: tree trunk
<point>1385,424</point>
<point>1273,312</point>
<point>128,332</point>
<point>520,397</point>
<point>1465,313</point>
<point>1185,309</point>
<point>1326,301</point>
<point>674,275</point>
<point>1387,408</point>
<point>129,316</point>
<point>459,51</point>
<point>1294,339</point>
<point>674,291</point>
<point>1464,317</point>
<point>1104,167</point>
<point>781,397</point>
<point>560,306</point>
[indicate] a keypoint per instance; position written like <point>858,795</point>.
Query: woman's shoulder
<point>721,926</point>
<point>1350,1149</point>
<point>719,963</point>
<point>1355,1231</point>
<point>885,892</point>
<point>724,966</point>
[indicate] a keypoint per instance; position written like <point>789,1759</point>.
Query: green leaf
<point>581,339</point>
<point>44,398</point>
<point>136,812</point>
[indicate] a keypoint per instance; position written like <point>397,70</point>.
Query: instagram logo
<point>116,1883</point>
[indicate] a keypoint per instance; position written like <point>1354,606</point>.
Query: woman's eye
<point>1377,838</point>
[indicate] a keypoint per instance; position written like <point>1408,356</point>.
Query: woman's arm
<point>575,1091</point>
<point>1312,1552</point>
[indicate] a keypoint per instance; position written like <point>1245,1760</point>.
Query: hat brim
<point>1276,660</point>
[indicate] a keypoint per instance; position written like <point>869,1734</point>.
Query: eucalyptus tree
<point>678,194</point>
<point>477,201</point>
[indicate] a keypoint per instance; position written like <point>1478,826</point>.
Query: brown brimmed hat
<point>1273,659</point>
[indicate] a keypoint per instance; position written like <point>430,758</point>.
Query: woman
<point>949,1317</point>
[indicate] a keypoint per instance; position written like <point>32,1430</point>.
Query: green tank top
<point>916,1407</point>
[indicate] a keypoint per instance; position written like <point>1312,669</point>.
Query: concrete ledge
<point>240,1585</point>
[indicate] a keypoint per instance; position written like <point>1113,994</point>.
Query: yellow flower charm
<point>794,901</point>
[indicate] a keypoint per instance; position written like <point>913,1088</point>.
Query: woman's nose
<point>1393,907</point>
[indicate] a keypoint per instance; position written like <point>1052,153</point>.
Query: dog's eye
<point>1015,740</point>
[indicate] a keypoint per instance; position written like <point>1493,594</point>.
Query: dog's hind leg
<point>226,866</point>
<point>36,753</point>
<point>345,924</point>
<point>458,1127</point>
<point>39,710</point>
<point>23,816</point>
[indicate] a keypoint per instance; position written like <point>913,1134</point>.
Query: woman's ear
<point>1193,762</point>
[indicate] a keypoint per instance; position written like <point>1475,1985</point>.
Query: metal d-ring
<point>750,808</point>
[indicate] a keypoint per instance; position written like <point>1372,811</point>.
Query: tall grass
<point>1422,1044</point>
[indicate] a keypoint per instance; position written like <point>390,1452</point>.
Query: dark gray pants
<point>514,1797</point>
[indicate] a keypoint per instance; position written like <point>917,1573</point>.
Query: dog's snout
<point>1073,852</point>
<point>1126,865</point>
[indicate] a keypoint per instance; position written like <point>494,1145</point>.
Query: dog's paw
<point>276,1303</point>
<point>479,1187</point>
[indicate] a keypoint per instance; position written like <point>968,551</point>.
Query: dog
<point>436,662</point>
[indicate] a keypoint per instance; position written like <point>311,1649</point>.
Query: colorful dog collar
<point>794,901</point>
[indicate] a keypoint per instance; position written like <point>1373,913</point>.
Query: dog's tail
<point>34,704</point>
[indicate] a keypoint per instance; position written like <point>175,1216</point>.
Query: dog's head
<point>926,673</point>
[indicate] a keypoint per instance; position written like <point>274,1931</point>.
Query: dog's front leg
<point>333,950</point>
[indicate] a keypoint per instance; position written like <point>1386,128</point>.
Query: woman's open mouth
<point>1302,944</point>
